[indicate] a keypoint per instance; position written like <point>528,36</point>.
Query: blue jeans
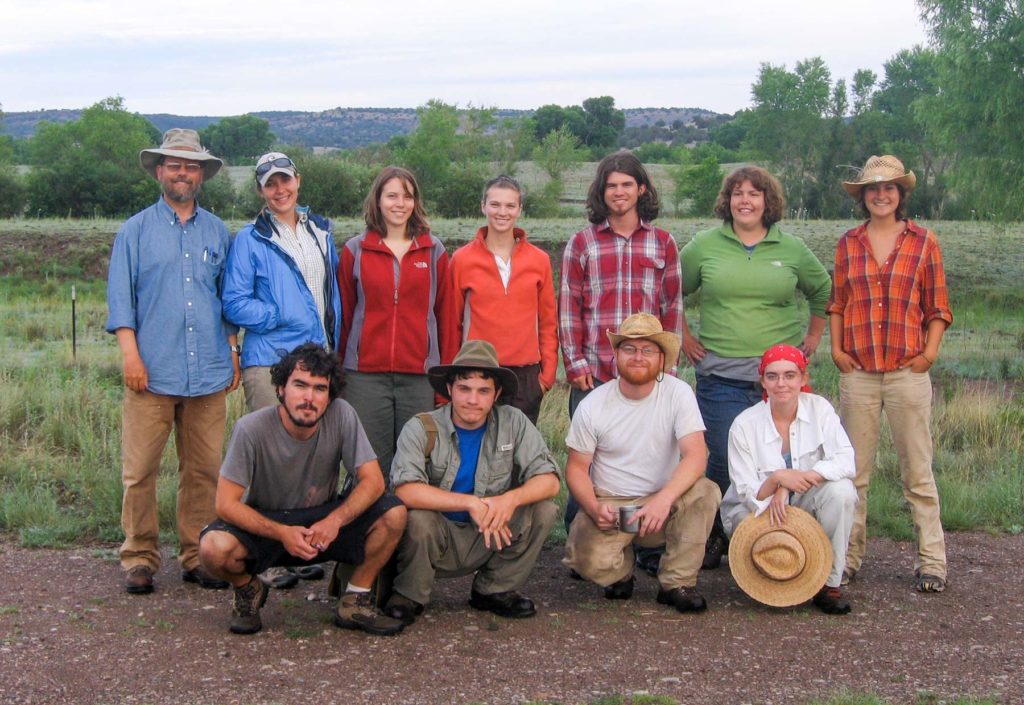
<point>575,397</point>
<point>721,400</point>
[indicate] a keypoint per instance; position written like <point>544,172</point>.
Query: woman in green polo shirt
<point>748,272</point>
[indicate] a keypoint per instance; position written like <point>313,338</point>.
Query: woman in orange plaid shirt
<point>888,311</point>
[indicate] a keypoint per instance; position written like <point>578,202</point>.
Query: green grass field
<point>60,415</point>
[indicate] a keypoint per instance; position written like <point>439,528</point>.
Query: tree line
<point>949,110</point>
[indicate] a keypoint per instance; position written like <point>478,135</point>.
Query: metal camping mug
<point>626,516</point>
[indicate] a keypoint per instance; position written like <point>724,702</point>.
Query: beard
<point>185,195</point>
<point>301,422</point>
<point>639,375</point>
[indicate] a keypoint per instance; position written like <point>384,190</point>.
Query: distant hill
<point>339,127</point>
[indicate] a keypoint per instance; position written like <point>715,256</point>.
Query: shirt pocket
<point>500,469</point>
<point>651,270</point>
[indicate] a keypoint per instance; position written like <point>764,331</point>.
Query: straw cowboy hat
<point>881,170</point>
<point>475,355</point>
<point>183,144</point>
<point>783,565</point>
<point>644,325</point>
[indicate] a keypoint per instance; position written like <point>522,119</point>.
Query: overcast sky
<point>209,57</point>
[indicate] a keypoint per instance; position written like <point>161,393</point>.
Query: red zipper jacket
<point>390,309</point>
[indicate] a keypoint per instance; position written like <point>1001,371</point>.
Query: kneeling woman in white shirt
<point>791,450</point>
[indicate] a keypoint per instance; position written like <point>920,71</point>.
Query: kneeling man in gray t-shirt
<point>278,498</point>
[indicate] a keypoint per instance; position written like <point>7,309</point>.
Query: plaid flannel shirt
<point>886,309</point>
<point>606,278</point>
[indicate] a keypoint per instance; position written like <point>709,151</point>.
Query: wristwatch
<point>236,349</point>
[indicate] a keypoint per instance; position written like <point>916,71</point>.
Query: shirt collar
<point>607,227</point>
<point>169,215</point>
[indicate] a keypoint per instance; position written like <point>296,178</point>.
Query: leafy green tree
<point>548,118</point>
<point>238,140</point>
<point>980,68</point>
<point>602,125</point>
<point>556,154</point>
<point>90,166</point>
<point>332,185</point>
<point>697,185</point>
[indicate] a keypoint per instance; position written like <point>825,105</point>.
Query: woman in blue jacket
<point>280,283</point>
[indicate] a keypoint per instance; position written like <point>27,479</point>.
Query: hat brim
<point>908,181</point>
<point>668,342</point>
<point>150,158</point>
<point>781,593</point>
<point>507,380</point>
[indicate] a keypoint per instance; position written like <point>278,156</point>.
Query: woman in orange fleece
<point>499,289</point>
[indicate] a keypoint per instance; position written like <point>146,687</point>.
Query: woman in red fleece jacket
<point>499,289</point>
<point>391,281</point>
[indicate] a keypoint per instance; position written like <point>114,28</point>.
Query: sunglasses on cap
<point>280,162</point>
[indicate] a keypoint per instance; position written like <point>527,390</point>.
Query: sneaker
<point>356,610</point>
<point>202,578</point>
<point>622,590</point>
<point>245,607</point>
<point>279,578</point>
<point>508,604</point>
<point>139,580</point>
<point>401,607</point>
<point>714,549</point>
<point>830,601</point>
<point>684,599</point>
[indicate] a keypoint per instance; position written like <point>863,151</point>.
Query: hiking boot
<point>716,546</point>
<point>926,582</point>
<point>508,604</point>
<point>622,590</point>
<point>139,580</point>
<point>684,599</point>
<point>830,601</point>
<point>849,574</point>
<point>356,610</point>
<point>402,608</point>
<point>245,607</point>
<point>279,578</point>
<point>202,578</point>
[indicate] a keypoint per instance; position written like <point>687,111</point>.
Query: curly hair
<point>372,214</point>
<point>624,162</point>
<point>763,181</point>
<point>313,359</point>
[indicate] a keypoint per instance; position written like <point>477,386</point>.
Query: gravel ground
<point>69,634</point>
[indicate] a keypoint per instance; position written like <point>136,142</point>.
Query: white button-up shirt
<point>817,442</point>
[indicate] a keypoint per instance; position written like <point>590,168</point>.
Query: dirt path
<point>68,634</point>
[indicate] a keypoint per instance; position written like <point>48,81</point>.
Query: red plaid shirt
<point>887,308</point>
<point>606,278</point>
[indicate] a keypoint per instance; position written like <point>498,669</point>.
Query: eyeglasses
<point>191,167</point>
<point>280,162</point>
<point>633,350</point>
<point>790,376</point>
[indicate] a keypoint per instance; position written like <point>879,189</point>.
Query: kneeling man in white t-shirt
<point>640,441</point>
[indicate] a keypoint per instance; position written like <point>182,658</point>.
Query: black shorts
<point>348,547</point>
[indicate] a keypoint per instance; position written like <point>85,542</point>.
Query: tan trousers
<point>606,557</point>
<point>259,390</point>
<point>435,547</point>
<point>146,424</point>
<point>906,399</point>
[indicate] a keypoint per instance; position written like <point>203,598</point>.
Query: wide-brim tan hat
<point>474,355</point>
<point>644,325</point>
<point>183,144</point>
<point>885,169</point>
<point>780,566</point>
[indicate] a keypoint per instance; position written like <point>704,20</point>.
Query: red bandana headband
<point>783,352</point>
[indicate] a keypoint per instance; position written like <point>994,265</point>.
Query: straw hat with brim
<point>475,355</point>
<point>183,144</point>
<point>780,566</point>
<point>644,325</point>
<point>885,169</point>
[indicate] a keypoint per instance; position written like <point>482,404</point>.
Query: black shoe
<point>574,575</point>
<point>830,601</point>
<point>684,599</point>
<point>203,579</point>
<point>309,572</point>
<point>622,590</point>
<point>714,549</point>
<point>401,607</point>
<point>504,604</point>
<point>649,560</point>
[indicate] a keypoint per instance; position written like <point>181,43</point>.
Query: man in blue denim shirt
<point>180,356</point>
